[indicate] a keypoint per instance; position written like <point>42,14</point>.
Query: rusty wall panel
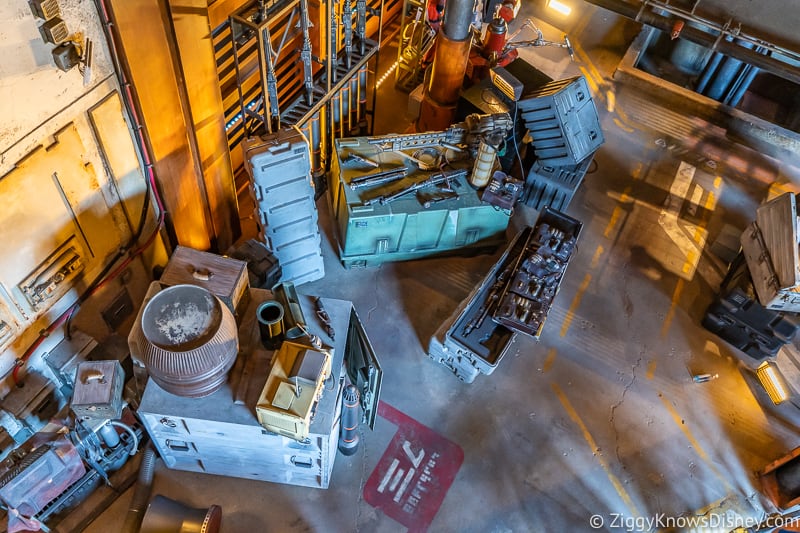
<point>147,53</point>
<point>193,38</point>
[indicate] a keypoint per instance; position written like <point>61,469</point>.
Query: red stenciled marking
<point>416,471</point>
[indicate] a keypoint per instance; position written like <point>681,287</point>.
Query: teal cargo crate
<point>431,222</point>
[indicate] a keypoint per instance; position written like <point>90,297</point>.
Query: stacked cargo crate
<point>562,121</point>
<point>282,190</point>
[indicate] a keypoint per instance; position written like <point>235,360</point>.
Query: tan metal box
<point>294,386</point>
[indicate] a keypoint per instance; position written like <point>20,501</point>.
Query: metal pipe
<point>708,72</point>
<point>457,19</point>
<point>648,18</point>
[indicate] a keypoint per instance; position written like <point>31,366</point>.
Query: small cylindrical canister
<point>348,438</point>
<point>270,324</point>
<point>484,164</point>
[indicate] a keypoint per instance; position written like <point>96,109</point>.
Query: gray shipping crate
<point>281,186</point>
<point>467,344</point>
<point>553,185</point>
<point>220,434</point>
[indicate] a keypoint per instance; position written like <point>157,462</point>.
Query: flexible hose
<point>130,432</point>
<point>141,494</point>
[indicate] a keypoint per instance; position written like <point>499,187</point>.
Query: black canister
<point>270,324</point>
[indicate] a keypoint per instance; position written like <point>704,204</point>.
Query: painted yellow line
<point>615,214</point>
<point>651,369</point>
<point>625,194</point>
<point>596,257</point>
<point>717,182</point>
<point>711,201</point>
<point>681,423</point>
<point>611,100</point>
<point>622,126</point>
<point>691,260</point>
<point>676,296</point>
<point>574,305</point>
<point>592,68</point>
<point>590,80</point>
<point>636,173</point>
<point>548,362</point>
<point>573,414</point>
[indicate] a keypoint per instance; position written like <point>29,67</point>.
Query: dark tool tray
<point>533,281</point>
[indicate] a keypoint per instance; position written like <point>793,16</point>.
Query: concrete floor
<point>601,416</point>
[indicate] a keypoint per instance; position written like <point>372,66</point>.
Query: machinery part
<point>270,324</point>
<point>447,72</point>
<point>457,19</point>
<point>141,493</point>
<point>358,159</point>
<point>294,322</point>
<point>714,36</point>
<point>109,435</point>
<point>323,315</point>
<point>376,178</point>
<point>449,65</point>
<point>484,165</point>
<point>165,515</point>
<point>436,179</point>
<point>131,432</point>
<point>503,191</point>
<point>347,29</point>
<point>488,305</point>
<point>361,24</point>
<point>305,52</point>
<point>190,340</point>
<point>333,45</point>
<point>495,40</point>
<point>66,56</point>
<point>349,438</point>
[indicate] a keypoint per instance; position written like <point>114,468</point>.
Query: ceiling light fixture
<point>562,8</point>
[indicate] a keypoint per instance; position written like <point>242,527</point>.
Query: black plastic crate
<point>739,319</point>
<point>565,139</point>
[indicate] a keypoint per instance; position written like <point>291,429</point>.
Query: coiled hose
<point>141,494</point>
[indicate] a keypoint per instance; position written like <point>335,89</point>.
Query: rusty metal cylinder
<point>449,66</point>
<point>484,164</point>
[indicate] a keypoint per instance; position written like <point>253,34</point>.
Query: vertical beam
<point>199,80</point>
<point>147,54</point>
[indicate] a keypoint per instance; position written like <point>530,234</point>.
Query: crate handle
<point>302,463</point>
<point>94,375</point>
<point>202,275</point>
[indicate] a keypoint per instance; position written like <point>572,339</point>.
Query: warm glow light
<point>772,382</point>
<point>564,9</point>
<point>386,75</point>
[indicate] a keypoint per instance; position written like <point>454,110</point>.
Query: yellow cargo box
<point>293,388</point>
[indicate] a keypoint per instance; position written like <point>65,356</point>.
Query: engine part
<point>484,165</point>
<point>294,322</point>
<point>165,515</point>
<point>190,340</point>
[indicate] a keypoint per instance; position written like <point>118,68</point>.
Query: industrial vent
<point>191,340</point>
<point>54,31</point>
<point>46,9</point>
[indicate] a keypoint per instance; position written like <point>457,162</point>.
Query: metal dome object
<point>190,340</point>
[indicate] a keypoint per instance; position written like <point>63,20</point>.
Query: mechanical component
<point>484,165</point>
<point>502,191</point>
<point>376,178</point>
<point>347,28</point>
<point>333,53</point>
<point>294,322</point>
<point>323,315</point>
<point>436,179</point>
<point>361,25</point>
<point>305,52</point>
